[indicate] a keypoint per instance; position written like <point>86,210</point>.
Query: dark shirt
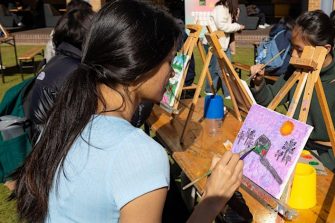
<point>264,94</point>
<point>50,80</point>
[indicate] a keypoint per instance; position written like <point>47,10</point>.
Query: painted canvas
<point>178,65</point>
<point>278,141</point>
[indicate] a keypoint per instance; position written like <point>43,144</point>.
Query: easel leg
<point>235,106</point>
<point>196,95</point>
<point>284,90</point>
<point>297,94</point>
<point>325,112</point>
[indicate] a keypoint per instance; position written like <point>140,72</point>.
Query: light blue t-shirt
<point>119,164</point>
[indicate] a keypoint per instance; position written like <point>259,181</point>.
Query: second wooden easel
<point>188,49</point>
<point>241,100</point>
<point>306,78</point>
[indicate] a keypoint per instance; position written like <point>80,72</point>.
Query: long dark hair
<point>127,40</point>
<point>73,27</point>
<point>232,7</point>
<point>316,27</point>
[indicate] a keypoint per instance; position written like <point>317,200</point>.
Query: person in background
<point>222,19</point>
<point>332,17</point>
<point>254,10</point>
<point>232,41</point>
<point>312,28</point>
<point>91,164</point>
<point>50,51</point>
<point>6,6</point>
<point>68,37</point>
<point>282,34</point>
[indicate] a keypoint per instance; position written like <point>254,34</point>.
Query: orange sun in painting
<point>287,128</point>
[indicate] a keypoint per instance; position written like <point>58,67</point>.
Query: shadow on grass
<point>15,71</point>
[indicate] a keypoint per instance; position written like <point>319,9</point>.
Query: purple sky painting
<point>278,142</point>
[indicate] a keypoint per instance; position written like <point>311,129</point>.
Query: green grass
<point>12,74</point>
<point>12,77</point>
<point>7,209</point>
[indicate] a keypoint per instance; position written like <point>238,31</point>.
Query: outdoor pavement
<point>38,36</point>
<point>41,36</point>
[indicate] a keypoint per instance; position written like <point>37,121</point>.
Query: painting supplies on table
<point>242,154</point>
<point>272,59</point>
<point>309,158</point>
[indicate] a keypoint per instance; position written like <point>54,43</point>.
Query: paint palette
<point>308,158</point>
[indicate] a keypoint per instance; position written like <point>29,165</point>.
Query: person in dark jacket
<point>69,35</point>
<point>68,38</point>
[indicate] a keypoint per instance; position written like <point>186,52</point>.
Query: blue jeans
<point>214,69</point>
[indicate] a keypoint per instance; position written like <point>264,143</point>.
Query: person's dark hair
<point>332,17</point>
<point>127,41</point>
<point>78,4</point>
<point>316,28</point>
<point>232,6</point>
<point>285,23</point>
<point>73,27</point>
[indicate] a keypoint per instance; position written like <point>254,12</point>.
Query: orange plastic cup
<point>303,192</point>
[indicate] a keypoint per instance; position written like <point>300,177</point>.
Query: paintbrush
<point>262,67</point>
<point>242,154</point>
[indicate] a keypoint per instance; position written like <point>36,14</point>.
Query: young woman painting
<point>91,164</point>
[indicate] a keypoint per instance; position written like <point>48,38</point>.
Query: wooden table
<point>195,155</point>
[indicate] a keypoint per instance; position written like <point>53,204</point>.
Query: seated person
<point>68,38</point>
<point>254,10</point>
<point>91,164</point>
<point>49,51</point>
<point>280,34</point>
<point>311,29</point>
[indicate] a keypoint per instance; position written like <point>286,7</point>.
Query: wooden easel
<point>241,100</point>
<point>307,77</point>
<point>206,58</point>
<point>204,73</point>
<point>187,49</point>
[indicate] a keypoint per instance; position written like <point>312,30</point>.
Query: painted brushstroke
<point>178,65</point>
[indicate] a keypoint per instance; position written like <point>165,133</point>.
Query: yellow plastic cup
<point>303,192</point>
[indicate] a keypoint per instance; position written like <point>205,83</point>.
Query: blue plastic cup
<point>213,113</point>
<point>213,108</point>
